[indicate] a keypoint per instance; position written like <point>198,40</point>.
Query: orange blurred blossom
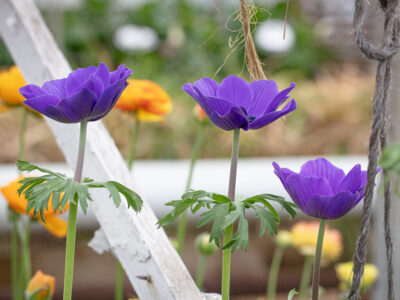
<point>41,286</point>
<point>146,99</point>
<point>55,225</point>
<point>10,82</point>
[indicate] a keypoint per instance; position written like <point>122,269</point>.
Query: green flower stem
<point>24,234</point>
<point>134,137</point>
<point>273,272</point>
<point>16,289</point>
<point>73,211</point>
<point>22,133</point>
<point>200,271</point>
<point>226,264</point>
<point>181,231</point>
<point>305,278</point>
<point>119,282</point>
<point>317,260</point>
<point>226,253</point>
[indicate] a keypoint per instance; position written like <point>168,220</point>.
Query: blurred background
<point>172,42</point>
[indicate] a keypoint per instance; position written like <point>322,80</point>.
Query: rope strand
<point>379,130</point>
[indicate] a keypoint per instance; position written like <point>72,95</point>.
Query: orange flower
<point>41,286</point>
<point>199,113</point>
<point>145,98</point>
<point>54,225</point>
<point>10,82</point>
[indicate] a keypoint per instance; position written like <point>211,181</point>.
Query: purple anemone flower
<point>87,93</point>
<point>235,104</point>
<point>322,190</point>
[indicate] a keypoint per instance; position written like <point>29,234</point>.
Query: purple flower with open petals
<point>322,190</point>
<point>86,94</point>
<point>235,104</point>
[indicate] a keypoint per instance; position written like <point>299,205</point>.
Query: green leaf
<point>292,293</point>
<point>221,198</point>
<point>179,207</point>
<point>268,221</point>
<point>217,213</point>
<point>241,238</point>
<point>114,193</point>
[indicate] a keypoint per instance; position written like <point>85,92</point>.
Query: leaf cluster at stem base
<point>222,212</point>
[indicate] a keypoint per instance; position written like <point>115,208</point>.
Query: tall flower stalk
<point>317,260</point>
<point>283,240</point>
<point>87,94</point>
<point>181,230</point>
<point>322,190</point>
<point>72,217</point>
<point>226,253</point>
<point>305,277</point>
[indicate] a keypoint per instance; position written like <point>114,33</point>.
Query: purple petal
<point>264,91</point>
<point>103,73</point>
<point>73,109</point>
<point>282,173</point>
<point>331,207</point>
<point>94,84</point>
<point>212,105</point>
<point>189,88</point>
<point>31,91</point>
<point>108,99</point>
<point>235,90</point>
<point>322,168</point>
<point>352,181</point>
<point>206,86</point>
<point>302,188</point>
<point>235,118</point>
<point>56,87</point>
<point>40,103</point>
<point>119,73</point>
<point>280,98</point>
<point>272,116</point>
<point>76,78</point>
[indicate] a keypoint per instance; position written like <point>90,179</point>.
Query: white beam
<point>140,247</point>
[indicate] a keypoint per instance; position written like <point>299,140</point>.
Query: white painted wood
<point>140,247</point>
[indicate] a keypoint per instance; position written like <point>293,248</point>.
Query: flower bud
<point>284,239</point>
<point>199,113</point>
<point>203,244</point>
<point>40,287</point>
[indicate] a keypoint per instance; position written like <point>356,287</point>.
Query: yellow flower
<point>10,82</point>
<point>284,239</point>
<point>41,286</point>
<point>344,272</point>
<point>145,98</point>
<point>54,225</point>
<point>304,238</point>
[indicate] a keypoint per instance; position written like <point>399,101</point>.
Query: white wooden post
<point>143,250</point>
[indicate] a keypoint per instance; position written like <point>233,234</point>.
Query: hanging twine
<point>253,62</point>
<point>379,130</point>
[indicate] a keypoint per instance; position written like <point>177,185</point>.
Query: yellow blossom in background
<point>53,224</point>
<point>344,272</point>
<point>41,286</point>
<point>10,82</point>
<point>146,99</point>
<point>284,238</point>
<point>304,238</point>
